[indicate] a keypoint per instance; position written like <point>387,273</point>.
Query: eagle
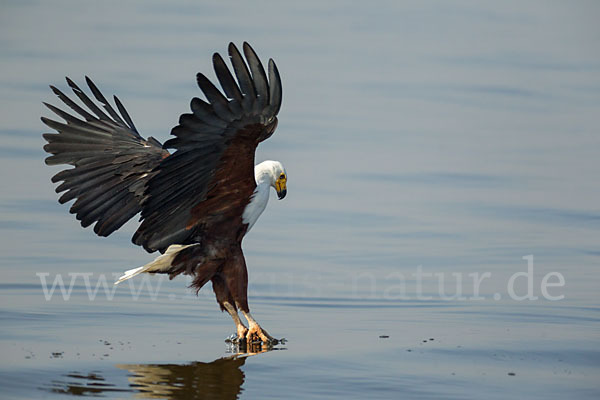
<point>198,194</point>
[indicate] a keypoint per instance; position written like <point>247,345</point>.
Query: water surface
<point>444,139</point>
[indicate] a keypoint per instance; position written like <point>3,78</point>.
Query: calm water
<point>427,146</point>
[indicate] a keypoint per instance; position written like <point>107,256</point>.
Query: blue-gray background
<point>455,136</point>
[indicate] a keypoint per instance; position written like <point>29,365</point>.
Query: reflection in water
<point>92,384</point>
<point>220,379</point>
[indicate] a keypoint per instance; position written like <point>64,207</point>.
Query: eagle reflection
<point>220,379</point>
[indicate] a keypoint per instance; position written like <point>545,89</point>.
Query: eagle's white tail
<point>130,274</point>
<point>160,264</point>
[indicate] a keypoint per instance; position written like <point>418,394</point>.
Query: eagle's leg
<point>255,332</point>
<point>226,303</point>
<point>236,280</point>
<point>242,331</point>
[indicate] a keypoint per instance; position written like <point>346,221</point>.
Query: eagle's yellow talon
<point>242,331</point>
<point>256,334</point>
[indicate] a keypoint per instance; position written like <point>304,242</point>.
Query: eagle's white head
<point>273,173</point>
<point>267,174</point>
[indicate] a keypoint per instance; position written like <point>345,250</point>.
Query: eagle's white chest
<point>258,203</point>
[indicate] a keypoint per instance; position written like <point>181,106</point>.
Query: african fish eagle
<point>197,202</point>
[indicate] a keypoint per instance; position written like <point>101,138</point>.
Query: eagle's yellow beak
<point>281,188</point>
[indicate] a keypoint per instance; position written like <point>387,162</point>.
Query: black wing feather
<point>230,87</point>
<point>276,93</point>
<point>259,77</point>
<point>74,106</point>
<point>128,119</point>
<point>87,101</point>
<point>98,95</point>
<point>204,112</point>
<point>243,76</point>
<point>216,99</point>
<point>109,157</point>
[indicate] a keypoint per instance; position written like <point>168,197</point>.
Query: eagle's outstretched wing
<point>210,178</point>
<point>112,162</point>
<point>206,182</point>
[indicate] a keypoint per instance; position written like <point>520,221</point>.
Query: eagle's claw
<point>257,335</point>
